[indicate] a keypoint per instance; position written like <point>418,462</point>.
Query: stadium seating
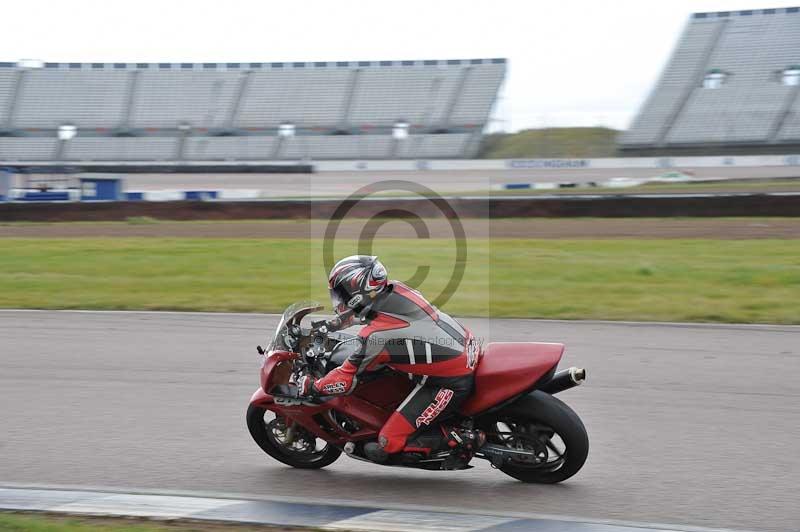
<point>425,146</point>
<point>750,105</point>
<point>384,96</point>
<point>480,88</point>
<point>121,149</point>
<point>8,80</point>
<point>168,98</point>
<point>341,146</point>
<point>305,97</point>
<point>234,111</point>
<point>48,98</point>
<point>230,148</point>
<point>28,148</point>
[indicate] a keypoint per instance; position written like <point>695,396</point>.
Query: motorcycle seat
<point>507,369</point>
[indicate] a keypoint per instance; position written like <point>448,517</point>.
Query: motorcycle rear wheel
<point>262,433</point>
<point>540,422</point>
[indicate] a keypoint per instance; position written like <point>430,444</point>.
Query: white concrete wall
<point>505,164</point>
<point>498,164</point>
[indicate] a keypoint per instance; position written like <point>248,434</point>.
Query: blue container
<point>101,189</point>
<point>45,196</point>
<point>134,196</point>
<point>200,194</point>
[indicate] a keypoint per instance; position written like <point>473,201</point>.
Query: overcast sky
<point>572,62</point>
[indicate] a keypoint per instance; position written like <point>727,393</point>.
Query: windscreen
<point>301,307</point>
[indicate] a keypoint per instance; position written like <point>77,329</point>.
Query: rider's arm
<point>343,379</point>
<point>339,381</point>
<point>339,323</point>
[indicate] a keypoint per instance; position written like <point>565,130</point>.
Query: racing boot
<point>374,452</point>
<point>459,444</point>
<point>415,450</point>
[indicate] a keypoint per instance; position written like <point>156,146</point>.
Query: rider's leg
<point>402,423</point>
<point>432,400</point>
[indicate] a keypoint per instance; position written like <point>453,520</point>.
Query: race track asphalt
<point>689,424</point>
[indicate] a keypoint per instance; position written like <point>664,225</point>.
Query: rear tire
<point>540,408</point>
<point>259,431</point>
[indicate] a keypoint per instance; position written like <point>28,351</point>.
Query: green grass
<point>28,522</point>
<point>666,280</point>
<point>557,142</point>
<point>141,220</point>
<point>39,523</point>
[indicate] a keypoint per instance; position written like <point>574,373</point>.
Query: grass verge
<point>663,280</point>
<point>15,522</point>
<point>560,142</point>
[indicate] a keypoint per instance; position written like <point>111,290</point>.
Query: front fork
<point>290,430</point>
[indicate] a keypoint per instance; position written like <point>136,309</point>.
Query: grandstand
<point>731,86</point>
<point>86,112</point>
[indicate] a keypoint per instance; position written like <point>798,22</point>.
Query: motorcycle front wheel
<point>292,445</point>
<point>549,430</point>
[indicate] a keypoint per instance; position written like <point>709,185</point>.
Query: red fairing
<point>507,369</point>
<point>370,417</point>
<point>268,368</point>
<point>386,392</point>
<point>261,398</point>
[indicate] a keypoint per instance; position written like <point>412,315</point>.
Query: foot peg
<point>470,440</point>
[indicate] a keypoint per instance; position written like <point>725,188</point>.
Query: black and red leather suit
<point>408,334</point>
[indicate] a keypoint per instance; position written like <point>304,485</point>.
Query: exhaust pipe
<point>564,380</point>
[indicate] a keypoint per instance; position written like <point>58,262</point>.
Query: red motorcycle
<point>530,435</point>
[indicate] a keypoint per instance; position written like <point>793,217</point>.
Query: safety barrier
<point>632,205</point>
<point>284,167</point>
<point>557,164</point>
<point>192,195</point>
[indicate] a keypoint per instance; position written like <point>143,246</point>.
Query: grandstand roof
<point>247,65</point>
<point>732,81</point>
<point>237,111</point>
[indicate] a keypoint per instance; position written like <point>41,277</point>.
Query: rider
<point>406,333</point>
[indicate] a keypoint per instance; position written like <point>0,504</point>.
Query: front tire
<point>264,435</point>
<point>537,421</point>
